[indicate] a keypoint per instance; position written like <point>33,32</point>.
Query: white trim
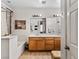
<point>63,40</point>
<point>3,5</point>
<point>13,47</point>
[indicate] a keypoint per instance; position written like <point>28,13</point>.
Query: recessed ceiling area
<point>37,3</point>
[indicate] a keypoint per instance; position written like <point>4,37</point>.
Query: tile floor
<point>36,55</point>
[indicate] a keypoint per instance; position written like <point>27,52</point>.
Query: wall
<point>26,14</point>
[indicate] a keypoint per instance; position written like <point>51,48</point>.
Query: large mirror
<point>45,25</point>
<point>38,25</point>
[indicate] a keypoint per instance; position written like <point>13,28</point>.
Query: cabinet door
<point>57,43</point>
<point>40,44</point>
<point>32,45</point>
<point>49,44</point>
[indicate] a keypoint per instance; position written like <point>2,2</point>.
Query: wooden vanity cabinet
<point>49,43</point>
<point>57,43</point>
<point>44,43</point>
<point>40,45</point>
<point>36,43</point>
<point>32,43</point>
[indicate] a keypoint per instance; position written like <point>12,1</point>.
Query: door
<point>64,31</point>
<point>32,43</point>
<point>49,43</point>
<point>57,43</point>
<point>72,29</point>
<point>40,44</point>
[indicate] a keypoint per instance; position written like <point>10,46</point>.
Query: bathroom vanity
<point>45,34</point>
<point>44,42</point>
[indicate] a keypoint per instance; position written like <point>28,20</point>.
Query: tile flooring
<point>36,55</point>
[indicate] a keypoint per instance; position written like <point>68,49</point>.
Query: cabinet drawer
<point>49,37</point>
<point>49,41</point>
<point>34,38</point>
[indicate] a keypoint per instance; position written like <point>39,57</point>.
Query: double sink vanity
<point>42,38</point>
<point>44,42</point>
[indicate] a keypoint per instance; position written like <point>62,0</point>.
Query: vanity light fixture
<point>42,1</point>
<point>40,15</point>
<point>57,15</point>
<point>36,15</point>
<point>9,1</point>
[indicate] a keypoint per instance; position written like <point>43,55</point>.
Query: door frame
<point>64,28</point>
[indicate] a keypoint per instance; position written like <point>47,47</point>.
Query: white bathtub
<point>20,48</point>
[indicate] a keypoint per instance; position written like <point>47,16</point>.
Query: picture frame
<point>20,24</point>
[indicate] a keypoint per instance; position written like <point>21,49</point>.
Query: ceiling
<point>36,3</point>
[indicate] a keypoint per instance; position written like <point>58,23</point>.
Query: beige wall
<point>26,14</point>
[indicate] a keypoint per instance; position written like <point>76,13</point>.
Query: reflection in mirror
<point>46,25</point>
<point>43,25</point>
<point>38,25</point>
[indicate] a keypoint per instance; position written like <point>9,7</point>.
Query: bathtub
<point>20,48</point>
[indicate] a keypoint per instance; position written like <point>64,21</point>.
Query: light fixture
<point>57,15</point>
<point>36,15</point>
<point>40,15</point>
<point>9,1</point>
<point>43,1</point>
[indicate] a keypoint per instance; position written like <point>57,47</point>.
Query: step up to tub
<point>56,54</point>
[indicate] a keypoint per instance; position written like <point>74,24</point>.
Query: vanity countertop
<point>8,36</point>
<point>5,36</point>
<point>44,35</point>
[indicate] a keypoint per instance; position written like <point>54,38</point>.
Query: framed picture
<point>20,24</point>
